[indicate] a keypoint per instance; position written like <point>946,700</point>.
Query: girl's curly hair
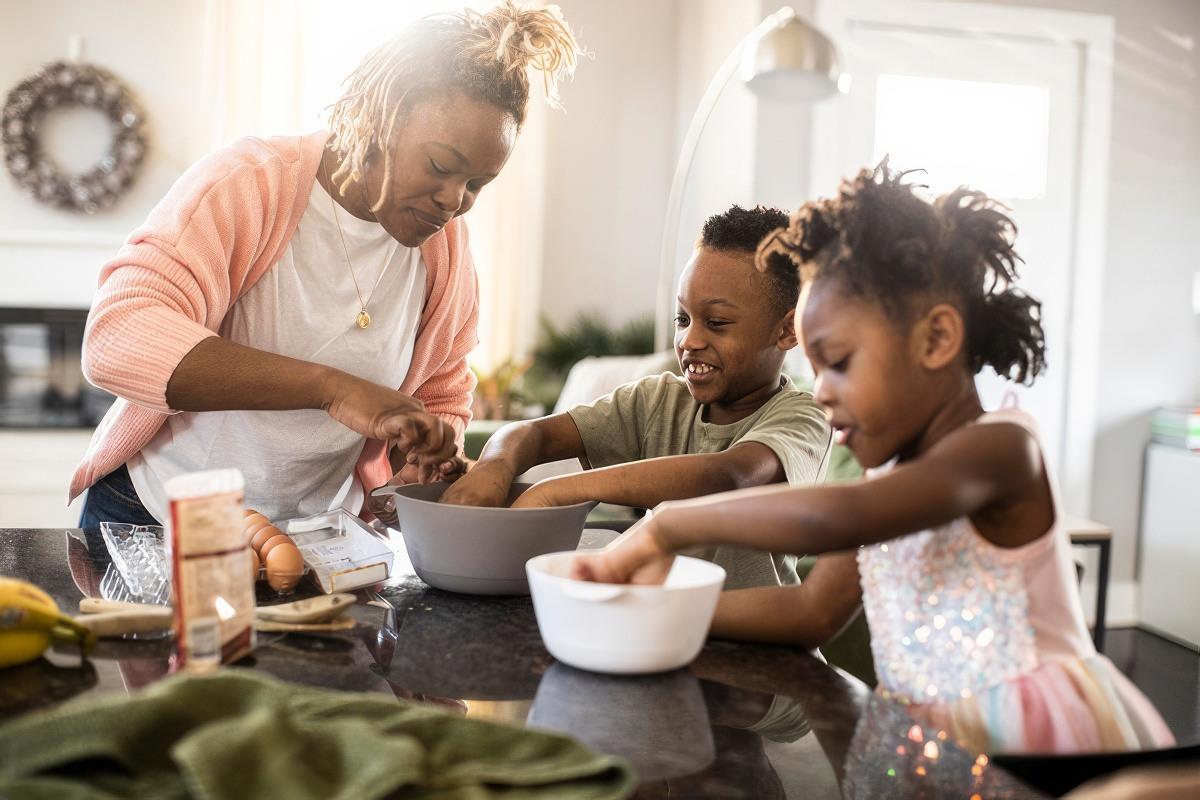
<point>880,240</point>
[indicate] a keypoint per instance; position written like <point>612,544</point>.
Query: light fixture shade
<point>793,62</point>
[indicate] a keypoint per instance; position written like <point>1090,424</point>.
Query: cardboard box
<point>342,550</point>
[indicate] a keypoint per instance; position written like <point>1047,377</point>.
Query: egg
<point>251,524</point>
<point>273,542</point>
<point>255,564</point>
<point>263,535</point>
<point>253,519</point>
<point>285,566</point>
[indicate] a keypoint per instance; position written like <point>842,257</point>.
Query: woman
<point>262,314</point>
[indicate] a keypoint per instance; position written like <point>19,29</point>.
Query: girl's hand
<point>637,556</point>
<point>486,484</point>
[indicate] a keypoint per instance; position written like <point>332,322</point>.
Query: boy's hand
<point>486,484</point>
<point>637,556</point>
<point>544,494</point>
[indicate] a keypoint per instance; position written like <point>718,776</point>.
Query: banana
<point>17,647</point>
<point>30,620</point>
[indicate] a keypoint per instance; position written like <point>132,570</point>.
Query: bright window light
<point>335,40</point>
<point>989,136</point>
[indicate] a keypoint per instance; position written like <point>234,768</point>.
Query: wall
<point>609,161</point>
<point>722,172</point>
<point>782,139</point>
<point>1150,345</point>
<point>156,49</point>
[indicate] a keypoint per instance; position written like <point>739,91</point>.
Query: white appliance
<point>1170,543</point>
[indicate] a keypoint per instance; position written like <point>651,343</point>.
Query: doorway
<point>1014,102</point>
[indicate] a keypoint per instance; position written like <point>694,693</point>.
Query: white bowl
<point>621,629</point>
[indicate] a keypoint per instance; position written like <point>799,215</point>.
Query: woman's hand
<point>375,411</point>
<point>427,469</point>
<point>637,556</point>
<point>385,507</point>
<point>486,484</point>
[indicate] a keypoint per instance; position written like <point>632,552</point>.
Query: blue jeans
<point>113,499</point>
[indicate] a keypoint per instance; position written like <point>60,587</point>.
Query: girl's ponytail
<point>979,264</point>
<point>1005,333</point>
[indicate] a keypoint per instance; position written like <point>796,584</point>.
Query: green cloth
<point>657,416</point>
<point>236,734</point>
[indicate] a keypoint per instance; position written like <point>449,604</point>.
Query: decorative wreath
<point>62,84</point>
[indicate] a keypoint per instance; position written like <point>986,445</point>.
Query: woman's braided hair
<point>879,239</point>
<point>487,56</point>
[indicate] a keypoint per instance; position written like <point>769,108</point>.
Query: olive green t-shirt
<point>657,416</point>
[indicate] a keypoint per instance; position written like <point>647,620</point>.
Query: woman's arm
<point>645,484</point>
<point>807,615</point>
<point>220,375</point>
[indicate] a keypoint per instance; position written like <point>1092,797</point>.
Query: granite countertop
<point>742,721</point>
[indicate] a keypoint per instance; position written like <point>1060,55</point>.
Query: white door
<point>978,105</point>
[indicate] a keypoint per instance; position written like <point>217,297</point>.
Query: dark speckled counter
<point>741,722</point>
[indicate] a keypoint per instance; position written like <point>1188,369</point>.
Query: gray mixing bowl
<point>480,550</point>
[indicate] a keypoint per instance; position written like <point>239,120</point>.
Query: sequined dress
<point>989,643</point>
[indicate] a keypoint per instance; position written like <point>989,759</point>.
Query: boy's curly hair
<point>879,239</point>
<point>741,230</point>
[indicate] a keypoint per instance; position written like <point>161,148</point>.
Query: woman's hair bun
<point>521,37</point>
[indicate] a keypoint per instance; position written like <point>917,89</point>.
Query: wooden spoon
<point>116,618</point>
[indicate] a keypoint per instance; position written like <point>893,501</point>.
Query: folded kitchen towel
<point>237,734</point>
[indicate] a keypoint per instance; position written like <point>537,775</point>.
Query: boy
<point>731,421</point>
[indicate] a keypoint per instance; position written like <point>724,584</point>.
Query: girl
<point>308,302</point>
<point>967,579</point>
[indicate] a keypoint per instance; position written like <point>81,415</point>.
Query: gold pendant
<point>363,319</point>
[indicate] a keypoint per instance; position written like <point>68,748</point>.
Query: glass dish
<point>139,554</point>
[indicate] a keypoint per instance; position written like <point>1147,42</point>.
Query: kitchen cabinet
<point>35,472</point>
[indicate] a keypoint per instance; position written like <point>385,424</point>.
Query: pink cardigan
<point>223,224</point>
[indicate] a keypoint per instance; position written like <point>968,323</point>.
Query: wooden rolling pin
<point>117,618</point>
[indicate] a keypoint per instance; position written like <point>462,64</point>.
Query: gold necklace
<point>363,319</point>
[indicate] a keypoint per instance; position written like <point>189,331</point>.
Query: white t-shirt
<point>301,462</point>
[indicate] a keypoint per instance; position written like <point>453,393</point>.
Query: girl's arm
<point>807,615</point>
<point>969,470</point>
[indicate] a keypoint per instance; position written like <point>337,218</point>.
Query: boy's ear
<point>786,337</point>
<point>940,336</point>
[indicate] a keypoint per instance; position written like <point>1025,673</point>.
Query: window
<point>989,136</point>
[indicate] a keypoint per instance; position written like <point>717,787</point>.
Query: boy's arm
<point>512,450</point>
<point>807,615</point>
<point>645,484</point>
